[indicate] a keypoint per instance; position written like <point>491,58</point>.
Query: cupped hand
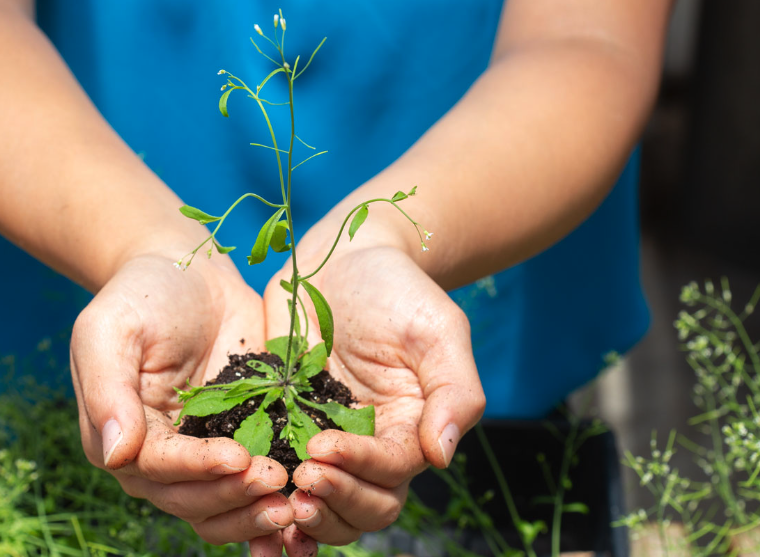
<point>148,330</point>
<point>402,345</point>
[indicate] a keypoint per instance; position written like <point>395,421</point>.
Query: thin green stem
<point>506,493</point>
<point>343,226</point>
<point>295,280</point>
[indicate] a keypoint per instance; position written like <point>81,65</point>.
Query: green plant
<point>54,503</point>
<point>719,508</point>
<point>288,381</point>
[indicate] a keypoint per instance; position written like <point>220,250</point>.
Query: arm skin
<point>526,155</point>
<point>535,145</point>
<point>77,198</point>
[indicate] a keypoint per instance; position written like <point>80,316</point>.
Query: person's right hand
<point>149,329</point>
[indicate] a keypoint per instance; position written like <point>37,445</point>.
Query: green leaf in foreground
<point>197,214</point>
<point>360,421</point>
<point>313,361</point>
<point>324,314</point>
<point>255,432</point>
<point>357,221</point>
<point>264,239</point>
<point>399,196</point>
<point>223,101</point>
<point>222,249</point>
<point>279,238</point>
<point>279,347</point>
<point>208,402</point>
<point>299,430</point>
<point>257,365</point>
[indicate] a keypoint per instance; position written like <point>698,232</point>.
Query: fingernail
<point>331,457</point>
<point>263,522</point>
<point>225,469</point>
<point>448,442</point>
<point>112,436</point>
<point>310,521</point>
<point>257,488</point>
<point>320,488</point>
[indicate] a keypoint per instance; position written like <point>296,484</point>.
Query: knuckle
<point>388,513</point>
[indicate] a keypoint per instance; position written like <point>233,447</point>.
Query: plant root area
<point>326,389</point>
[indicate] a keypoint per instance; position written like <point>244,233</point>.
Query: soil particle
<point>326,389</point>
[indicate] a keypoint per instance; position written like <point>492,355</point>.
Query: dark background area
<point>700,195</point>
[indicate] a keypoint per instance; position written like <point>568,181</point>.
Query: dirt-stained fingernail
<point>448,442</point>
<point>320,488</point>
<point>112,437</point>
<point>225,469</point>
<point>257,488</point>
<point>310,521</point>
<point>330,457</point>
<point>263,522</point>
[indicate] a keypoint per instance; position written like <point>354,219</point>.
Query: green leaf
<point>260,248</point>
<point>222,249</point>
<point>279,347</point>
<point>360,421</point>
<point>197,214</point>
<point>261,367</point>
<point>247,385</point>
<point>223,101</point>
<point>286,286</point>
<point>255,432</point>
<point>279,238</point>
<point>530,530</point>
<point>206,403</point>
<point>413,191</point>
<point>399,196</point>
<point>313,361</point>
<point>324,314</point>
<point>575,508</point>
<point>357,221</point>
<point>300,429</point>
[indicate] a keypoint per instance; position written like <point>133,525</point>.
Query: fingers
<point>196,501</point>
<point>267,546</point>
<point>454,398</point>
<point>360,504</point>
<point>386,461</point>
<point>105,359</point>
<point>297,543</point>
<point>168,457</point>
<point>313,516</point>
<point>266,516</point>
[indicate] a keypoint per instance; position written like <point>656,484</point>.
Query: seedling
<point>288,381</point>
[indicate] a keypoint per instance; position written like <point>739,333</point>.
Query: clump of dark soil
<point>326,389</point>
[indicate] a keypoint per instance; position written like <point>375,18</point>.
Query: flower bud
<point>282,22</point>
<point>258,29</point>
<point>276,20</point>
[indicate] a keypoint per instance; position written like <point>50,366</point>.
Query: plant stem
<point>295,280</point>
<point>506,493</point>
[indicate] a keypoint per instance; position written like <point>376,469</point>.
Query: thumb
<point>454,398</point>
<point>105,363</point>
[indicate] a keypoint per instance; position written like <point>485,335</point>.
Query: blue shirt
<point>388,71</point>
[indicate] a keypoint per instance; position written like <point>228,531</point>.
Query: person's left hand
<point>402,345</point>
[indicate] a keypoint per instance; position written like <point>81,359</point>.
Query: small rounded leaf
<point>357,221</point>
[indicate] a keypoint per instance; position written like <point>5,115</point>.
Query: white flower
<point>178,265</point>
<point>221,72</point>
<point>276,20</point>
<point>428,235</point>
<point>258,29</point>
<point>224,87</point>
<point>282,22</point>
<point>286,66</point>
<point>424,247</point>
